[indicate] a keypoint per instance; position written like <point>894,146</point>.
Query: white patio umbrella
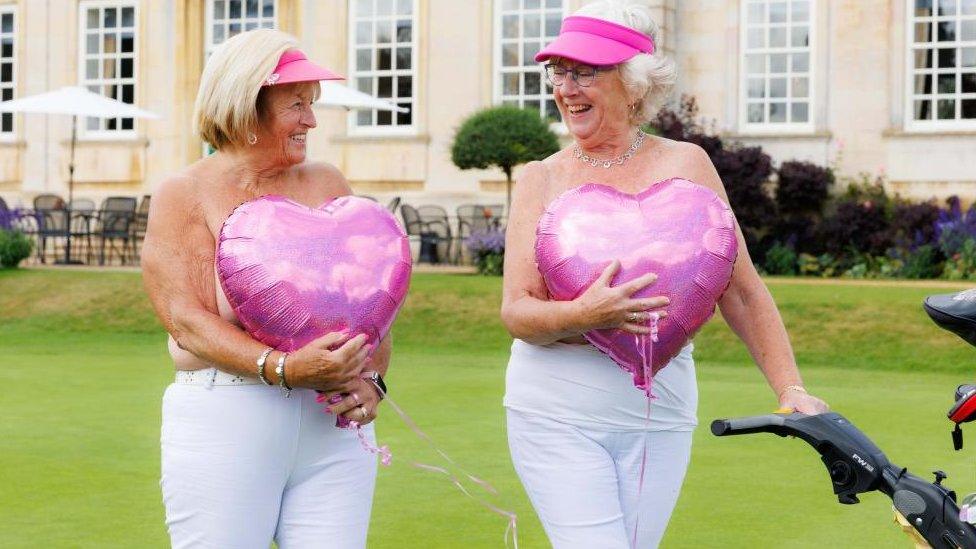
<point>74,101</point>
<point>339,95</point>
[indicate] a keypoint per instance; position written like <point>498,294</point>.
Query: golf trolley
<point>927,511</point>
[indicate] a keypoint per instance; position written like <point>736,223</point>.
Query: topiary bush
<point>502,137</point>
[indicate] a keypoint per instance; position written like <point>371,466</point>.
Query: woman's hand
<point>359,405</point>
<point>802,402</point>
<point>318,366</point>
<point>605,306</point>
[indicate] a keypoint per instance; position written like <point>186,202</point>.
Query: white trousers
<point>583,483</point>
<point>243,465</point>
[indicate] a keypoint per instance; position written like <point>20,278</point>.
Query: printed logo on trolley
<point>863,463</point>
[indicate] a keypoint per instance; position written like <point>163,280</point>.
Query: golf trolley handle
<point>856,465</point>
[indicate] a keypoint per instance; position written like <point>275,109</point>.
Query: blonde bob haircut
<point>648,79</point>
<point>227,102</point>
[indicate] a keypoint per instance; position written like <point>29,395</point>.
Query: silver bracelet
<point>261,361</point>
<point>280,372</point>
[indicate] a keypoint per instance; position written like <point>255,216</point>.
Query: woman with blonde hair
<point>243,465</point>
<point>598,471</point>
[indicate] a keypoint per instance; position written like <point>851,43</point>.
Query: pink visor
<point>596,42</point>
<point>293,66</point>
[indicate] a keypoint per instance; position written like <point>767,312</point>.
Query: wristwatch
<point>377,380</point>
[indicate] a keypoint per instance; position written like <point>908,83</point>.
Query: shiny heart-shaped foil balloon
<point>293,274</point>
<point>677,229</point>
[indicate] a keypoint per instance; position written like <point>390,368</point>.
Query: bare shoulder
<point>325,179</point>
<point>688,161</point>
<point>532,184</point>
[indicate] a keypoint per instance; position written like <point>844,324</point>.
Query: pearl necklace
<point>615,161</point>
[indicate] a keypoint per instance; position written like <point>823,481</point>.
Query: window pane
<point>800,37</point>
<point>923,110</point>
<point>6,72</point>
<point>967,30</point>
<point>7,47</point>
<point>923,32</point>
<point>364,60</point>
<point>364,8</point>
<point>252,8</point>
<point>404,31</point>
<point>7,22</point>
<point>403,58</point>
<point>404,86</point>
<point>756,38</point>
<point>923,59</point>
<point>384,32</point>
<point>777,112</point>
<point>126,68</point>
<point>947,83</point>
<point>777,63</point>
<point>510,83</point>
<point>801,87</point>
<point>92,19</point>
<point>364,33</point>
<point>946,109</point>
<point>384,59</point>
<point>755,115</point>
<point>756,64</point>
<point>533,83</point>
<point>756,88</point>
<point>801,62</point>
<point>109,43</point>
<point>968,57</point>
<point>110,18</point>
<point>127,123</point>
<point>553,23</point>
<point>799,11</point>
<point>385,86</point>
<point>923,84</point>
<point>384,7</point>
<point>947,57</point>
<point>91,44</point>
<point>128,42</point>
<point>404,118</point>
<point>777,12</point>
<point>234,9</point>
<point>365,85</point>
<point>799,112</point>
<point>968,82</point>
<point>91,69</point>
<point>267,10</point>
<point>969,109</point>
<point>364,118</point>
<point>510,55</point>
<point>777,37</point>
<point>923,8</point>
<point>128,93</point>
<point>510,26</point>
<point>404,7</point>
<point>756,14</point>
<point>529,49</point>
<point>947,31</point>
<point>7,122</point>
<point>777,87</point>
<point>533,25</point>
<point>947,7</point>
<point>967,7</point>
<point>384,118</point>
<point>531,4</point>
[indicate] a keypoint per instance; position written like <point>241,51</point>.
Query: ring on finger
<point>363,411</point>
<point>633,317</point>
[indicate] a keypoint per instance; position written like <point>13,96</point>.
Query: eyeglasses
<point>583,75</point>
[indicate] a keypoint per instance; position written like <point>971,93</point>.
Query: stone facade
<point>857,117</point>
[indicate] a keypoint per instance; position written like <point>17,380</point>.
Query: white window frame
<point>244,20</point>
<point>11,9</point>
<point>498,70</point>
<point>934,125</point>
<point>413,128</point>
<point>83,7</point>
<point>800,128</point>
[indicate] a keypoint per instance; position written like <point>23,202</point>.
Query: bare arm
<point>527,311</point>
<point>749,309</point>
<point>177,261</point>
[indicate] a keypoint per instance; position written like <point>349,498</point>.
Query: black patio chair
<point>438,228</point>
<point>115,219</point>
<point>82,217</point>
<point>52,222</point>
<point>471,218</point>
<point>430,237</point>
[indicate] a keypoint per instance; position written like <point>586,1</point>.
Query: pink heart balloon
<point>677,229</point>
<point>293,274</point>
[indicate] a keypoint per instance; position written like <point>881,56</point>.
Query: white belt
<point>212,376</point>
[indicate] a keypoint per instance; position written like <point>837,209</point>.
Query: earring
<point>251,138</point>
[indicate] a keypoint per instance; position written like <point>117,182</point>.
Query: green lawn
<point>85,365</point>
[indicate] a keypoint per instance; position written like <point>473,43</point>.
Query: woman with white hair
<point>598,471</point>
<point>243,465</point>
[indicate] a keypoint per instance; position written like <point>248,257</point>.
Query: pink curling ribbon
<point>386,456</point>
<point>645,343</point>
<point>510,531</point>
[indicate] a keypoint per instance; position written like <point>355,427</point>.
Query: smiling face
<point>594,112</point>
<point>285,116</point>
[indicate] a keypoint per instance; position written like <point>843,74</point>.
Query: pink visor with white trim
<point>596,42</point>
<point>293,66</point>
